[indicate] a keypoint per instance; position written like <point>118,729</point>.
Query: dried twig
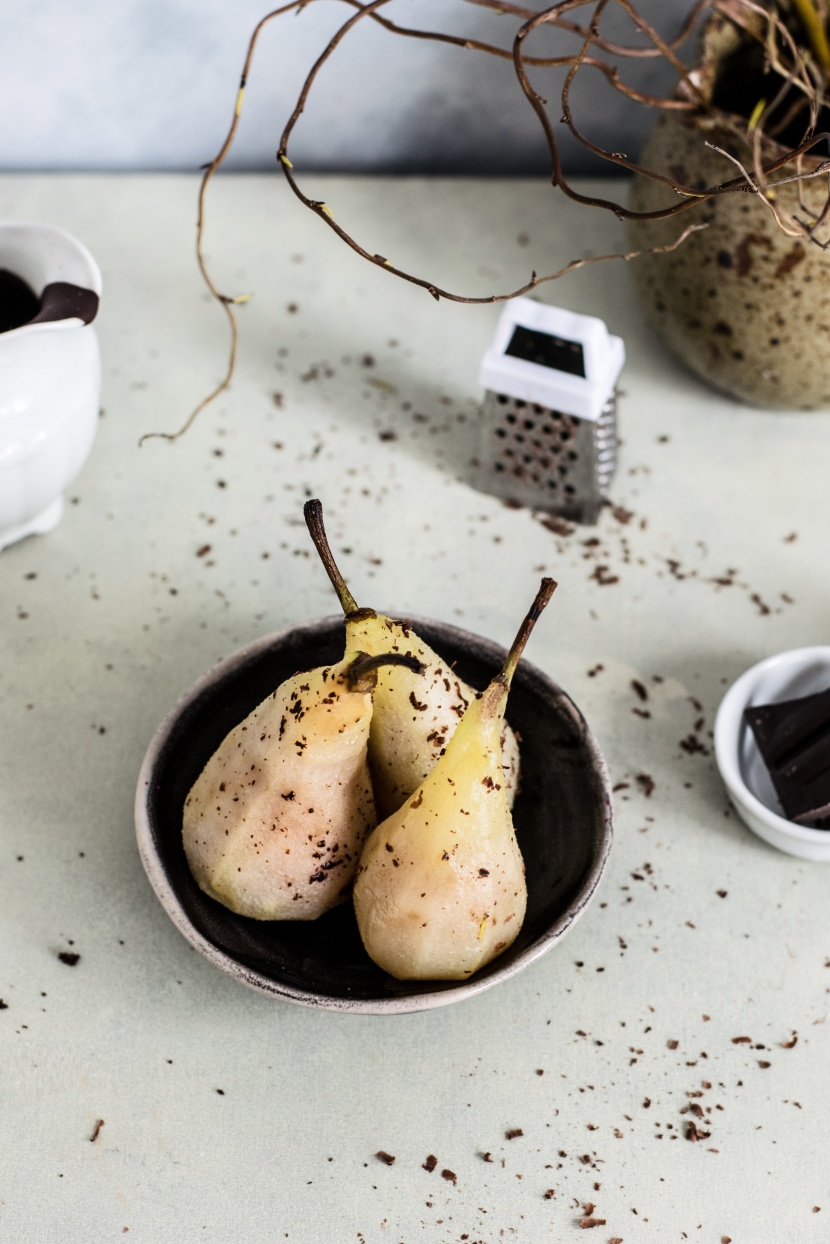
<point>796,54</point>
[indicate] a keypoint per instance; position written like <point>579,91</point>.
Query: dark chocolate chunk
<point>793,738</point>
<point>19,304</point>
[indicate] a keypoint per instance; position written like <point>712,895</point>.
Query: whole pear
<point>415,715</point>
<point>273,826</point>
<point>440,890</point>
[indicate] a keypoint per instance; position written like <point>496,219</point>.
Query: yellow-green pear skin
<point>415,714</point>
<point>274,824</point>
<point>440,890</point>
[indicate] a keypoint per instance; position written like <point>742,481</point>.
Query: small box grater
<point>549,418</point>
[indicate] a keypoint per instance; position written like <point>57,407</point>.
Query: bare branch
<point>796,54</point>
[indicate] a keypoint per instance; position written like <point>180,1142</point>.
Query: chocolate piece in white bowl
<point>793,737</point>
<point>780,678</point>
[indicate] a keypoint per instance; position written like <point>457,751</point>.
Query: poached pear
<point>273,826</point>
<point>414,715</point>
<point>440,889</point>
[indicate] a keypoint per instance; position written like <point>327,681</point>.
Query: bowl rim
<point>728,733</point>
<point>403,1003</point>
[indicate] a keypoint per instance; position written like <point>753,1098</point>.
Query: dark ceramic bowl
<point>562,817</point>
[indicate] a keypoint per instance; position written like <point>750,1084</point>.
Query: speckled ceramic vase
<point>744,306</point>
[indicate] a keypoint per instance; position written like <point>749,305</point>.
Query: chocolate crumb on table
<point>387,1158</point>
<point>559,526</point>
<point>430,1164</point>
<point>69,957</point>
<point>449,1175</point>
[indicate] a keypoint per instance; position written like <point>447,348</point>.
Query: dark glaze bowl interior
<point>562,817</point>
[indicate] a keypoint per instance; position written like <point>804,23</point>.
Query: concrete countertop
<point>146,1095</point>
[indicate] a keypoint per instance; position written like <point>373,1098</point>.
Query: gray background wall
<point>150,84</point>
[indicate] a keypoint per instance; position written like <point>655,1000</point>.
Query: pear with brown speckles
<point>274,824</point>
<point>414,715</point>
<point>440,890</point>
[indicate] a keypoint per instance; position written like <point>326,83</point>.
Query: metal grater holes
<point>548,464</point>
<point>533,456</point>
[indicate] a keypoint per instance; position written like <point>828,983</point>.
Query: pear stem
<point>546,590</point>
<point>363,665</point>
<point>313,514</point>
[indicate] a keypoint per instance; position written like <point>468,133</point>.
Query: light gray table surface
<point>228,1116</point>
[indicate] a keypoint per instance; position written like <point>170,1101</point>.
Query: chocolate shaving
<point>559,526</point>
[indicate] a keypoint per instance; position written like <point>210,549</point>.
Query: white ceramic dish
<point>783,677</point>
<point>50,376</point>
